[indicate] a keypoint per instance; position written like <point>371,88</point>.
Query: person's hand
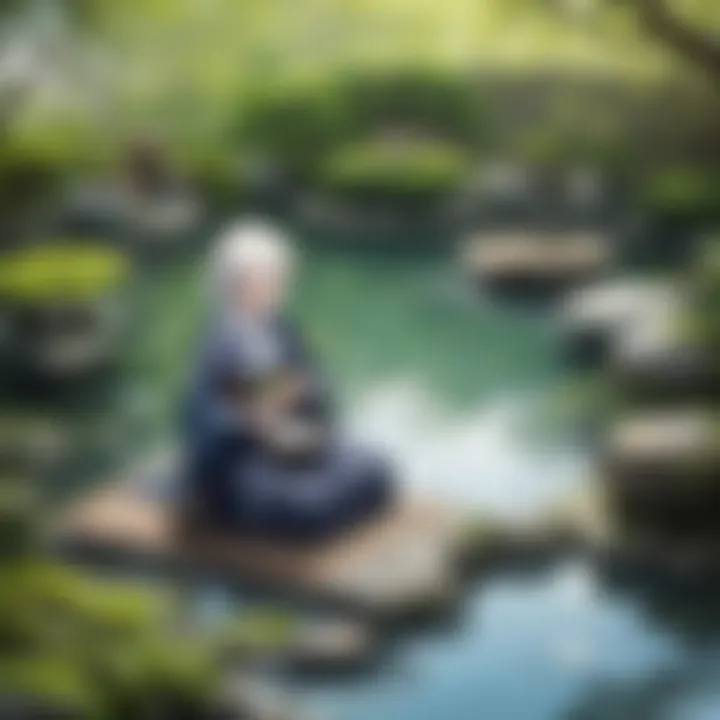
<point>290,388</point>
<point>297,437</point>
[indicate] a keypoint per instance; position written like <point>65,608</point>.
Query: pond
<point>460,389</point>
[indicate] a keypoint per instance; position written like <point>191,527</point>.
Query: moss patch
<point>65,270</point>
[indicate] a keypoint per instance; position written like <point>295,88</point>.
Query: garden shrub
<point>684,194</point>
<point>445,105</point>
<point>397,169</point>
<point>301,126</point>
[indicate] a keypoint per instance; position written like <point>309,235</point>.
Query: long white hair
<point>245,247</point>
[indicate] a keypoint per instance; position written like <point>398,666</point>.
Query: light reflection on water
<point>486,456</point>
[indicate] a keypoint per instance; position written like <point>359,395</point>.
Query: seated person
<point>262,452</point>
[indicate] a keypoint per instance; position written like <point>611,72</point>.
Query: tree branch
<point>699,48</point>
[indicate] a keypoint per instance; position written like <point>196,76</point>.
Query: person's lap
<point>345,486</point>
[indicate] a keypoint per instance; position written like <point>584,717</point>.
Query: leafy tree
<point>690,38</point>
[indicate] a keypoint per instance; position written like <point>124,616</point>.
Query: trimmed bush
<point>302,126</point>
<point>684,194</point>
<point>396,169</point>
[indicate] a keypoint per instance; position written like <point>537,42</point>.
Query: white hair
<point>249,246</point>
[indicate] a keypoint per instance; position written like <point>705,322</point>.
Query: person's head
<point>253,268</point>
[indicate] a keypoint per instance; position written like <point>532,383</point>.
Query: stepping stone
<point>593,319</point>
<point>515,260</point>
<point>396,565</point>
<point>671,444</point>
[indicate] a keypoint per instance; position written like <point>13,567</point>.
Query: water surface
<point>459,389</point>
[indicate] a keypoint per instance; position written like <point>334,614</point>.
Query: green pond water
<point>460,390</point>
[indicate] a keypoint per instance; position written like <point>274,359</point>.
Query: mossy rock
<point>65,271</point>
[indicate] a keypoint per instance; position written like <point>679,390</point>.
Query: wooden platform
<point>401,563</point>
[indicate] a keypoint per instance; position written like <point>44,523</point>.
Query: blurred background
<point>508,214</point>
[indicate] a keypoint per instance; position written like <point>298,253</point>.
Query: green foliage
<point>18,511</point>
<point>398,169</point>
<point>685,194</point>
<point>52,683</point>
<point>91,648</point>
<point>97,646</point>
<point>301,126</point>
<point>258,632</point>
<point>64,270</point>
<point>294,125</point>
<point>445,105</point>
<point>705,290</point>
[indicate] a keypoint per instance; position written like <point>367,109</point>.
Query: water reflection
<point>487,456</point>
<point>564,642</point>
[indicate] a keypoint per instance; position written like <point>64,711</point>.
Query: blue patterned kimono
<point>234,478</point>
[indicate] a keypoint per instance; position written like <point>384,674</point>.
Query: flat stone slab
<point>675,442</point>
<point>536,256</point>
<point>612,305</point>
<point>402,562</point>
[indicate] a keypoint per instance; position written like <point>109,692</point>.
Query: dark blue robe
<point>234,479</point>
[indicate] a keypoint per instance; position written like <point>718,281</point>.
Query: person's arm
<point>223,413</point>
<point>318,401</point>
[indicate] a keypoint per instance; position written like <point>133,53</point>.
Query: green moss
<point>109,608</point>
<point>396,168</point>
<point>64,270</point>
<point>117,643</point>
<point>684,194</point>
<point>155,671</point>
<point>258,632</point>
